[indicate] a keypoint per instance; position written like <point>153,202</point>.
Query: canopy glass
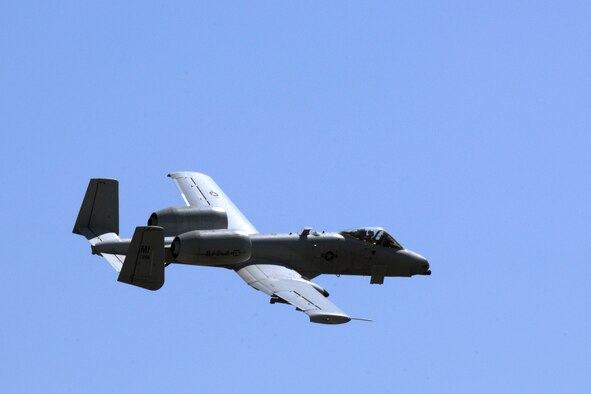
<point>373,235</point>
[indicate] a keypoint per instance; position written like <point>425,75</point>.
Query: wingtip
<point>329,318</point>
<point>180,174</point>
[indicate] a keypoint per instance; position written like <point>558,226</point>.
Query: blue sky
<point>464,128</point>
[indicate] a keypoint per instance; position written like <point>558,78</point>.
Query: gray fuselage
<point>312,254</point>
<point>332,253</point>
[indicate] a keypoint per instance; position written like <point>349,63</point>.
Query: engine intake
<point>215,247</point>
<point>178,220</point>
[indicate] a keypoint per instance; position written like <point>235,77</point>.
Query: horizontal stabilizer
<point>144,262</point>
<point>115,259</point>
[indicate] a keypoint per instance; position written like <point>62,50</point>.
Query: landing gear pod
<point>216,247</point>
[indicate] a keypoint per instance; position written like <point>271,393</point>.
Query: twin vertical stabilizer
<point>142,262</point>
<point>99,213</point>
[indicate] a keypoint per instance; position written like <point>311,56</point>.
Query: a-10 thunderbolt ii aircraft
<point>211,231</point>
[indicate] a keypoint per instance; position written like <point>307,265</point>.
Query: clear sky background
<point>464,128</point>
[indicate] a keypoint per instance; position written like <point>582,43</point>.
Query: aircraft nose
<point>425,267</point>
<point>421,263</point>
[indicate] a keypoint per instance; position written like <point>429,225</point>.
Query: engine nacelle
<point>178,220</point>
<point>215,247</point>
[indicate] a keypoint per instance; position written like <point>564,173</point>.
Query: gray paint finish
<point>279,265</point>
<point>199,190</point>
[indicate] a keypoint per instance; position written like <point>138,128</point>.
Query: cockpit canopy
<point>373,235</point>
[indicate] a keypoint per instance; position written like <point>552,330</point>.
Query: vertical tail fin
<point>144,262</point>
<point>99,213</point>
<point>98,219</point>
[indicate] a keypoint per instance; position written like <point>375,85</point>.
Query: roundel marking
<point>328,256</point>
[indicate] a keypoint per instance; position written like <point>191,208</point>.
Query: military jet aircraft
<point>211,231</point>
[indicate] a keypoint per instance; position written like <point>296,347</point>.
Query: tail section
<point>144,262</point>
<point>98,219</point>
<point>99,213</point>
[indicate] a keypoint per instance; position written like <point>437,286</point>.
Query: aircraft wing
<point>199,190</point>
<point>289,286</point>
<point>281,283</point>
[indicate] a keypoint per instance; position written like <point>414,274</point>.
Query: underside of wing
<point>287,286</point>
<point>199,190</point>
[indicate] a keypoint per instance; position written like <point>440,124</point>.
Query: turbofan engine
<point>215,247</point>
<point>178,220</point>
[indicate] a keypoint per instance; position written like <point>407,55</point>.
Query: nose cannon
<point>428,272</point>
